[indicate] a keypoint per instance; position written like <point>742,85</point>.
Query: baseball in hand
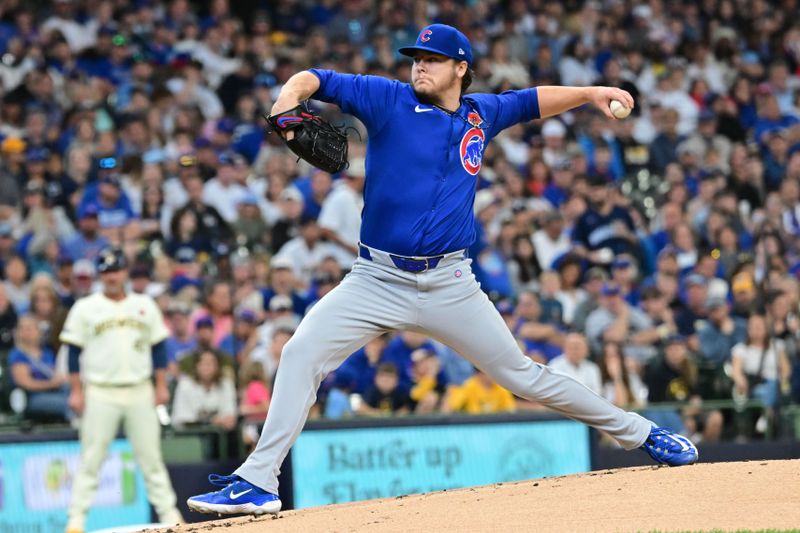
<point>618,109</point>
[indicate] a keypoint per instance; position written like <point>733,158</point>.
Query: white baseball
<point>618,109</point>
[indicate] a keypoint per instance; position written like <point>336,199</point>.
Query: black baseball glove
<point>315,140</point>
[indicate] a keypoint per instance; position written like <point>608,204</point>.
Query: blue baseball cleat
<point>669,448</point>
<point>237,497</point>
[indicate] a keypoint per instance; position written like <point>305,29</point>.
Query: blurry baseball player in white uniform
<point>116,345</point>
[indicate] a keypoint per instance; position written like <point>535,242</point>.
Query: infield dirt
<point>751,495</point>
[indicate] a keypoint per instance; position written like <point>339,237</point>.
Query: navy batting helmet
<point>110,260</point>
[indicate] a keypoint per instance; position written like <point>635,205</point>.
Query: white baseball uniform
<point>116,338</point>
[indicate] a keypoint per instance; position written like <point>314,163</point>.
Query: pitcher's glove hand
<point>315,140</point>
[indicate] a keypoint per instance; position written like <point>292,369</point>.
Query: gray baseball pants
<point>445,303</point>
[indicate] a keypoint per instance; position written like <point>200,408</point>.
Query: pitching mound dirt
<point>722,496</point>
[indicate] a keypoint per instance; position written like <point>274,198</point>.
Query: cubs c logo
<point>425,36</point>
<point>471,150</point>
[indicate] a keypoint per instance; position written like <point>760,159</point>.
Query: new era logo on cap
<point>461,51</point>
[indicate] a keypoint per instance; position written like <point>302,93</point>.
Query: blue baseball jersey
<point>422,161</point>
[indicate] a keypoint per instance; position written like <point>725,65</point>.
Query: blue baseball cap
<point>37,154</point>
<point>675,338</point>
<point>441,39</point>
<point>610,289</point>
<point>88,211</point>
<point>621,262</point>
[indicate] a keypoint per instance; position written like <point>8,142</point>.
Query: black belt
<point>409,264</point>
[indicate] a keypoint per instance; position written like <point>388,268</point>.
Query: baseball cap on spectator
<point>750,57</point>
<point>6,230</point>
<point>88,211</point>
<point>277,263</point>
<point>553,128</point>
<point>226,125</point>
<point>706,115</point>
<point>178,307</point>
<point>140,271</point>
<point>248,199</point>
<point>184,255</point>
<point>621,262</point>
<point>280,302</point>
<point>154,156</point>
<point>204,322</point>
<point>107,163</point>
<point>13,145</point>
<point>107,30</point>
<point>227,158</point>
<point>33,188</point>
<point>742,282</point>
<point>222,249</point>
<point>504,307</point>
<point>292,194</point>
<point>37,154</point>
<point>441,39</point>
<point>187,160</point>
<point>610,289</point>
<point>265,80</point>
<point>642,11</point>
<point>562,164</point>
<point>178,283</point>
<point>695,279</point>
<point>202,142</point>
<point>83,268</point>
<point>668,251</point>
<point>64,260</point>
<point>247,315</point>
<point>675,338</point>
<point>690,146</point>
<point>595,273</point>
<point>713,302</point>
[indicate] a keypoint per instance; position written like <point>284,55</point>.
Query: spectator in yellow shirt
<point>479,394</point>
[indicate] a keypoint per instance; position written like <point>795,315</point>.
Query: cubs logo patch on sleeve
<point>471,150</point>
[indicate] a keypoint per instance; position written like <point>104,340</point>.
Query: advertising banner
<point>35,483</point>
<point>342,465</point>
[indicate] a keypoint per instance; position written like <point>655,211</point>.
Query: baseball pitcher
<point>425,149</point>
<point>115,342</point>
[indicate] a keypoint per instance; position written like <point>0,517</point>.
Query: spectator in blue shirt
<point>87,243</point>
<point>181,341</point>
<point>357,373</point>
<point>604,224</point>
<point>770,119</point>
<point>398,352</point>
<point>721,332</point>
<point>33,369</point>
<point>315,189</point>
<point>114,211</point>
<point>244,327</point>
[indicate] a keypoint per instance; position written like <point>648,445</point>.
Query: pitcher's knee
<point>519,379</point>
<point>302,355</point>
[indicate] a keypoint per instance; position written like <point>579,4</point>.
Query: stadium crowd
<point>655,259</point>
